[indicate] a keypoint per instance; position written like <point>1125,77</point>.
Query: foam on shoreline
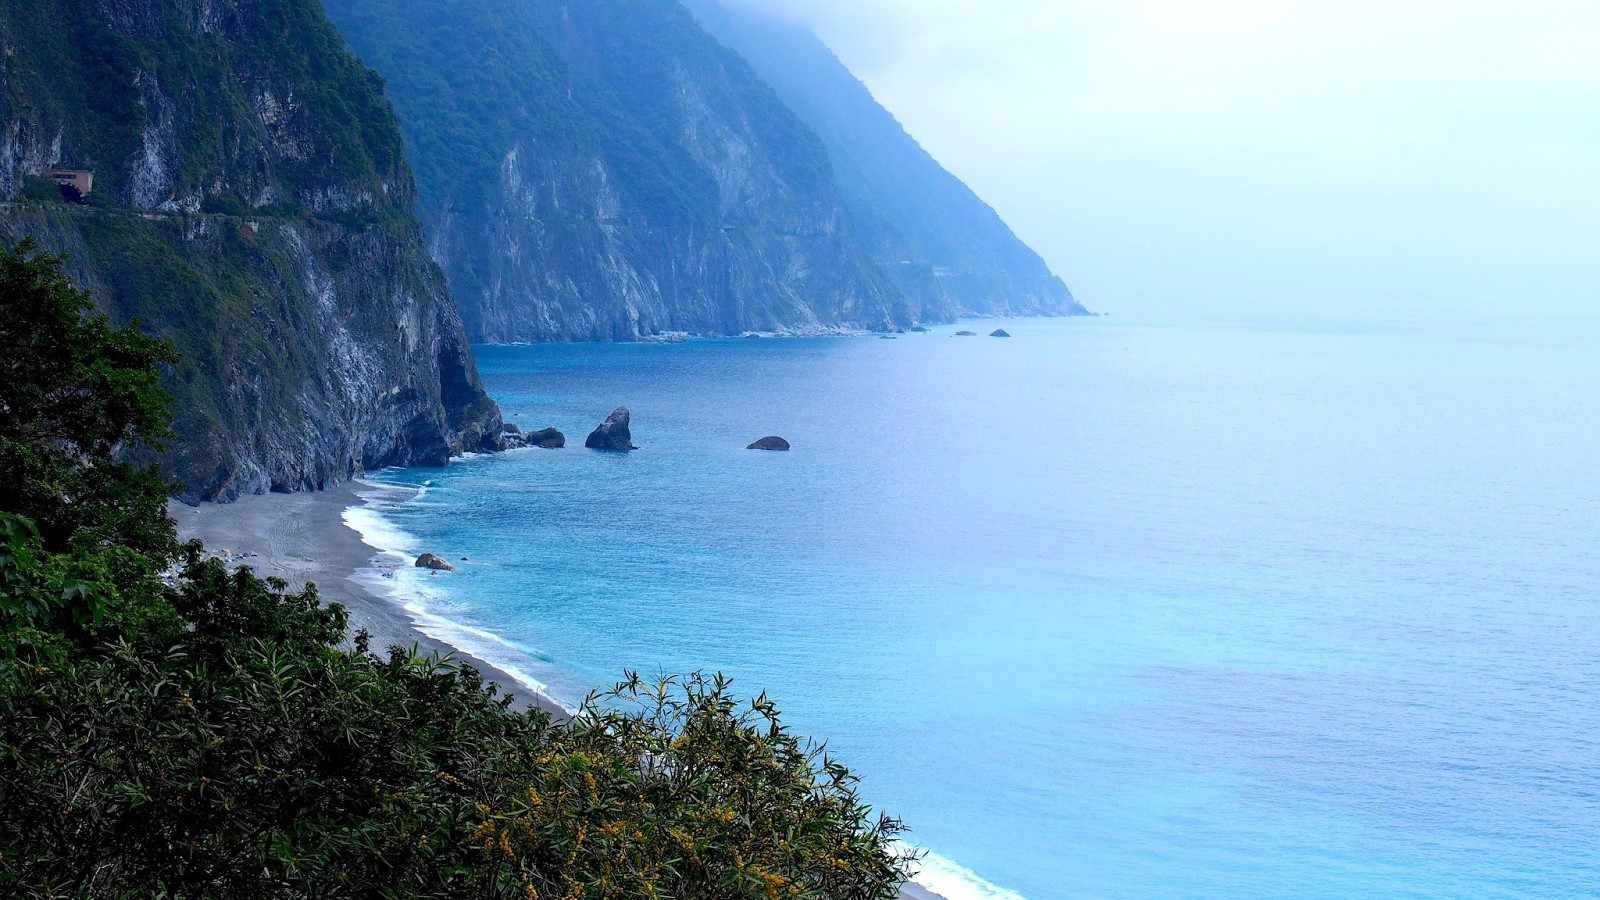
<point>402,584</point>
<point>953,881</point>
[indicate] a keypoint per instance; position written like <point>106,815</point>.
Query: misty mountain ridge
<point>947,249</point>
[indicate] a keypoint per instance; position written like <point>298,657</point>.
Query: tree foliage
<point>673,789</point>
<point>73,392</point>
<point>210,734</point>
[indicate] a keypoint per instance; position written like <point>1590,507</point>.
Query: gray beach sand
<point>302,538</point>
<point>914,891</point>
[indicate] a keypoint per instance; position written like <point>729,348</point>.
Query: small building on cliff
<point>80,181</point>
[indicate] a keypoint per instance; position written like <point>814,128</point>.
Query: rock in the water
<point>769,443</point>
<point>918,329</point>
<point>429,561</point>
<point>613,433</point>
<point>512,438</point>
<point>966,334</point>
<point>548,438</point>
<point>999,332</point>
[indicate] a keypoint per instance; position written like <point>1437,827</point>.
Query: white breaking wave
<point>953,881</point>
<point>378,533</point>
<point>404,585</point>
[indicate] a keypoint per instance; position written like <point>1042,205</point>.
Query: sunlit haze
<point>1236,155</point>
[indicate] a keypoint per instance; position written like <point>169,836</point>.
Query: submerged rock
<point>613,433</point>
<point>966,334</point>
<point>999,332</point>
<point>770,443</point>
<point>436,563</point>
<point>548,438</point>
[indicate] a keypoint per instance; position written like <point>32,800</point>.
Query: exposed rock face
<point>545,438</point>
<point>770,443</point>
<point>947,250</point>
<point>607,170</point>
<point>251,204</point>
<point>613,433</point>
<point>999,332</point>
<point>548,439</point>
<point>436,563</point>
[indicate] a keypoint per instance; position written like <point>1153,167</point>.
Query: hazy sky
<point>1358,154</point>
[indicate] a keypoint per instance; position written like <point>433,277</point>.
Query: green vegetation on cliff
<point>474,77</point>
<point>252,205</point>
<point>607,170</point>
<point>172,729</point>
<point>252,101</point>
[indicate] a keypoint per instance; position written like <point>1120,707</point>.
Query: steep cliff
<point>607,170</point>
<point>251,203</point>
<point>942,245</point>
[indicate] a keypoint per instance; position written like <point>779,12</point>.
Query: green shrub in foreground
<point>209,734</point>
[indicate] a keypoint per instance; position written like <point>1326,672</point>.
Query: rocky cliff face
<point>946,249</point>
<point>606,170</point>
<point>251,203</point>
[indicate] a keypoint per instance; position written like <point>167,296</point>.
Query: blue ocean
<point>1145,610</point>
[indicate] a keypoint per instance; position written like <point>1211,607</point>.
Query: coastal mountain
<point>243,193</point>
<point>946,249</point>
<point>607,170</point>
<point>228,174</point>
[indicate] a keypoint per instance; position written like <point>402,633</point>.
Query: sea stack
<point>547,438</point>
<point>999,332</point>
<point>613,433</point>
<point>770,443</point>
<point>436,563</point>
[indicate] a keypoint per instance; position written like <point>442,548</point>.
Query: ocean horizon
<point>1110,608</point>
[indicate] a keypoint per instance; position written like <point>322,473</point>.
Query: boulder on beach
<point>548,438</point>
<point>613,433</point>
<point>436,563</point>
<point>770,443</point>
<point>966,334</point>
<point>999,332</point>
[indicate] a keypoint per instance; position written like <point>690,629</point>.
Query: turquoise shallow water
<point>1107,610</point>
